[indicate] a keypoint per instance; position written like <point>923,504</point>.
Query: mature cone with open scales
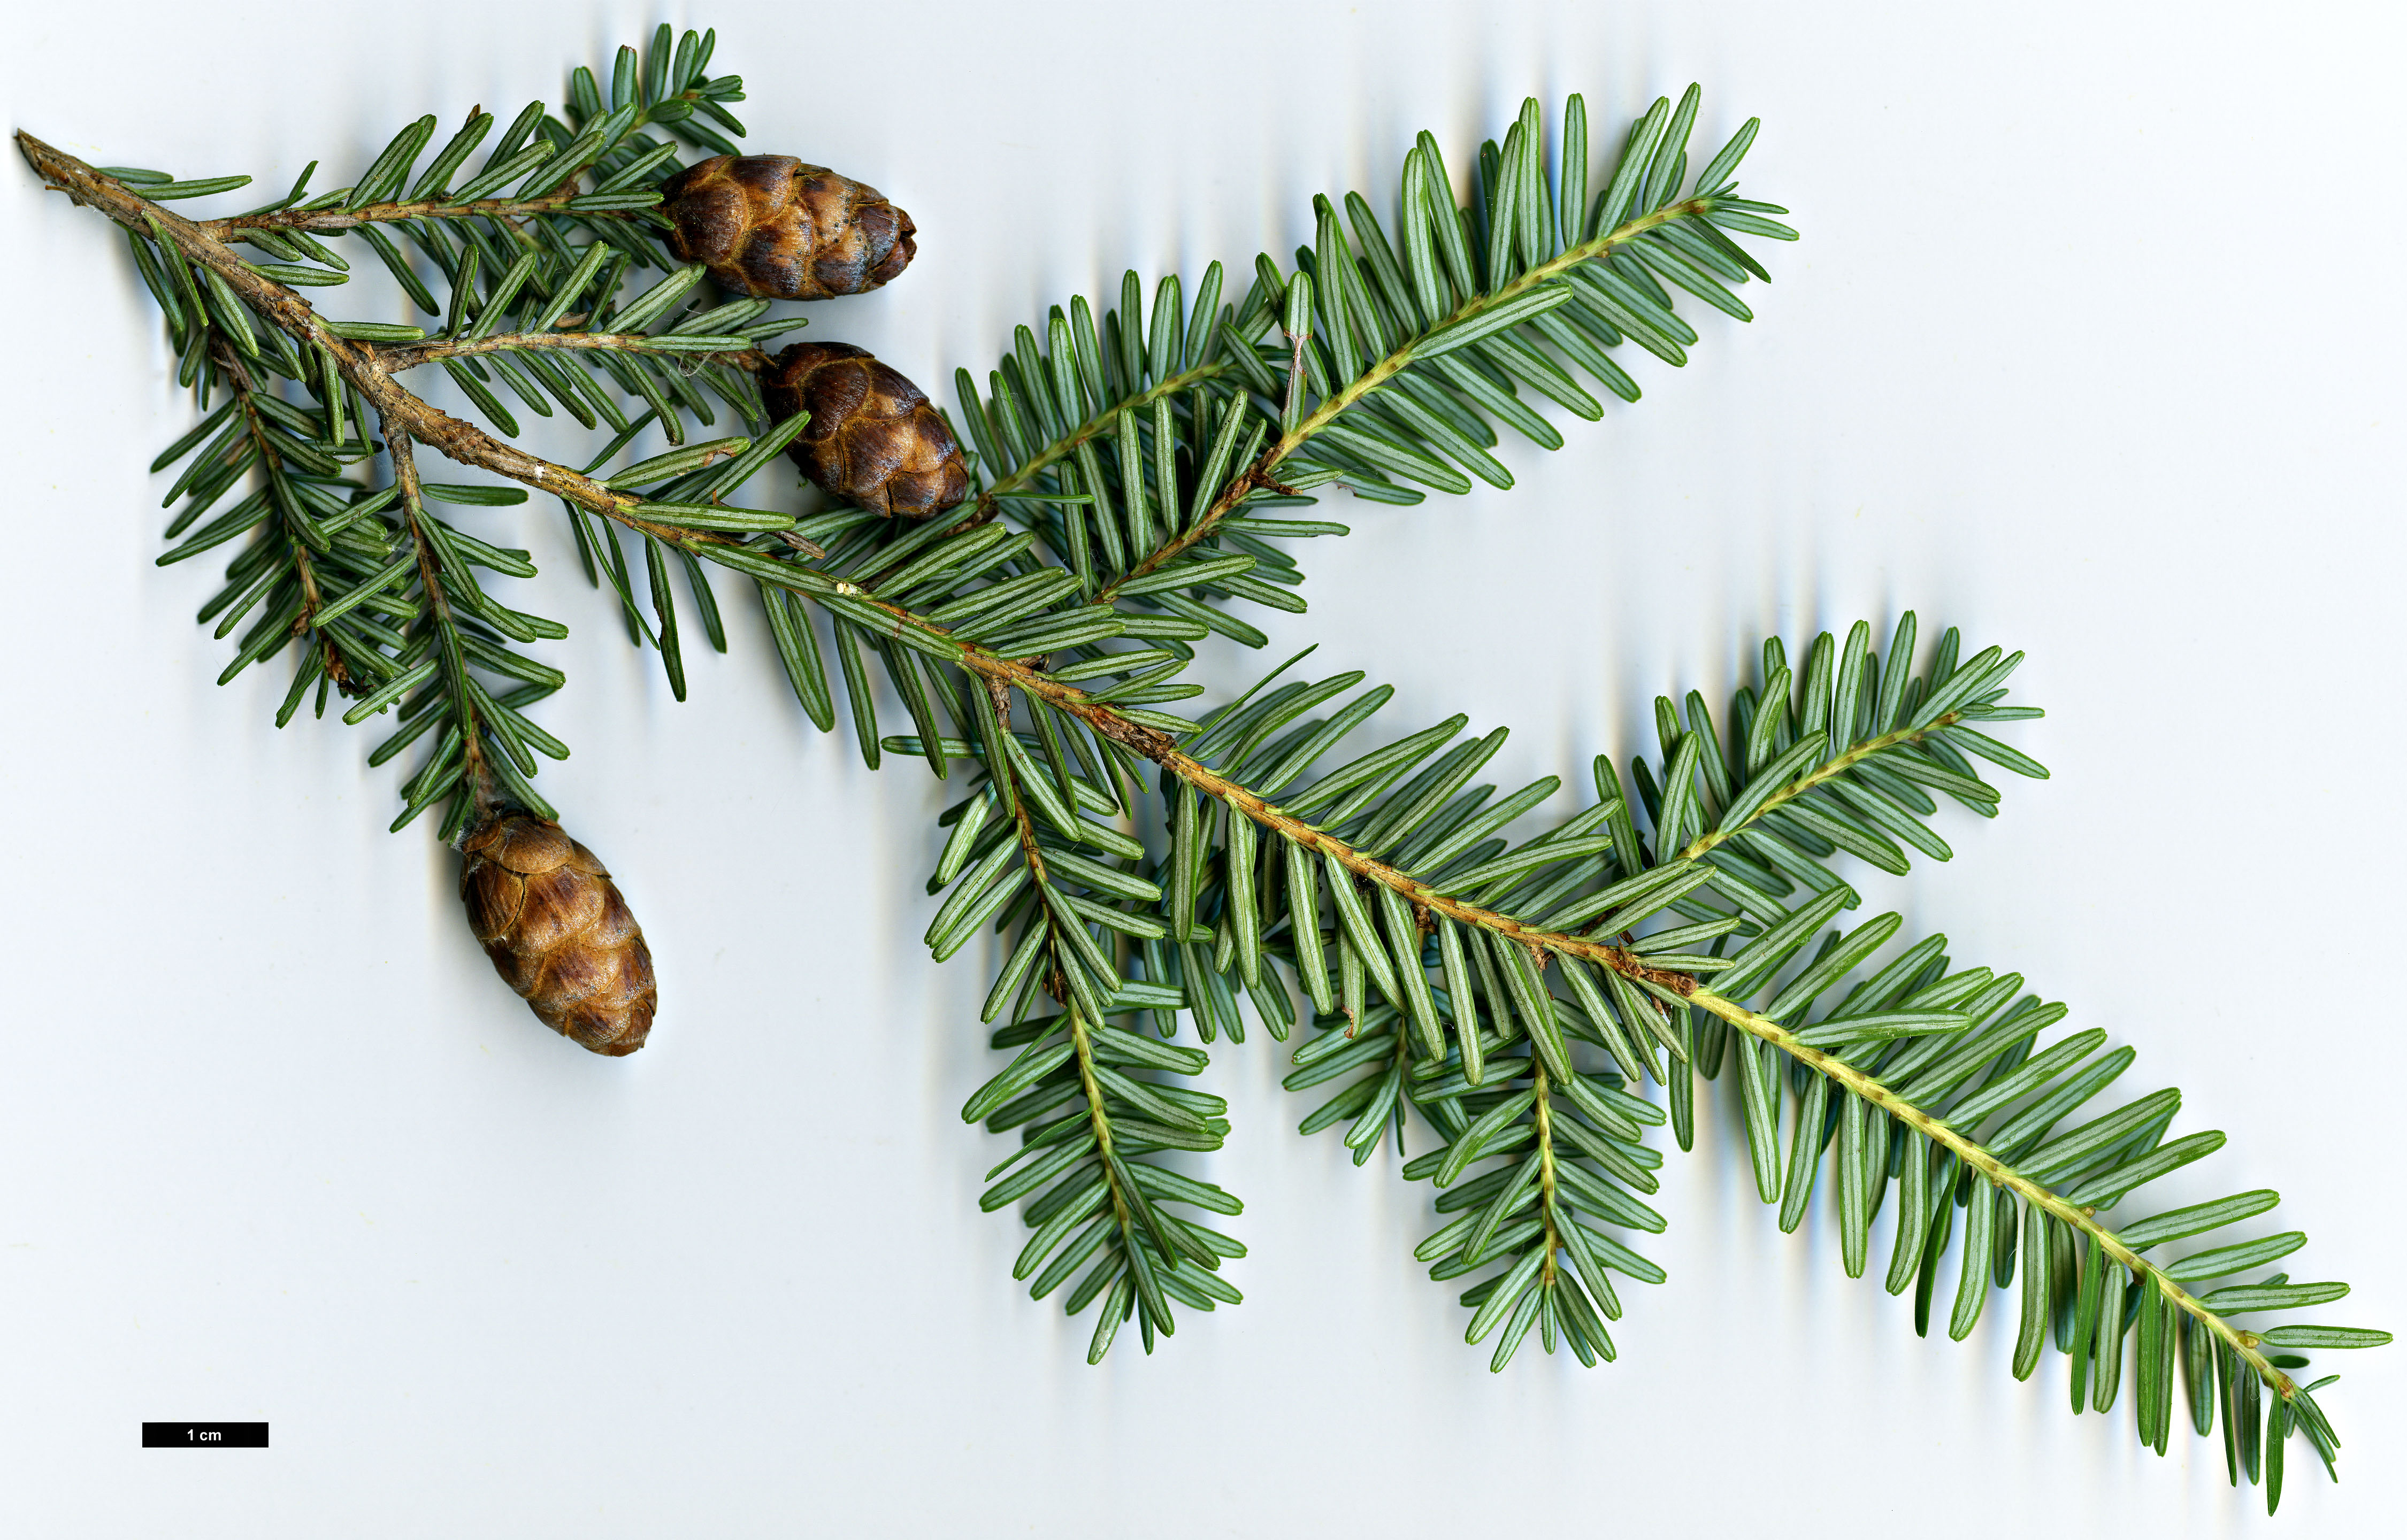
<point>558,931</point>
<point>773,226</point>
<point>874,437</point>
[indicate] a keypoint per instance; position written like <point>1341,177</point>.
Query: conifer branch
<point>474,773</point>
<point>395,360</point>
<point>236,228</point>
<point>369,369</point>
<point>1263,473</point>
<point>1457,973</point>
<point>1931,709</point>
<point>357,361</point>
<point>1059,449</point>
<point>1396,356</point>
<point>2248,1345</point>
<point>1854,754</point>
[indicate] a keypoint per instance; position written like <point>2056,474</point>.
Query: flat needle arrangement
<point>1023,577</point>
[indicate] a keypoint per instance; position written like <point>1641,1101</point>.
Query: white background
<point>2091,348</point>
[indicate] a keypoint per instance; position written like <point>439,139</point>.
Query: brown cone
<point>770,226</point>
<point>873,438</point>
<point>558,932</point>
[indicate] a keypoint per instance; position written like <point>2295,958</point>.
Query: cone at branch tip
<point>874,438</point>
<point>774,228</point>
<point>558,931</point>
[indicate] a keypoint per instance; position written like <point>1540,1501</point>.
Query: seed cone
<point>873,438</point>
<point>558,931</point>
<point>770,226</point>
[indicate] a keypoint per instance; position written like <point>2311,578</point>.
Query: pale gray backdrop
<point>2091,348</point>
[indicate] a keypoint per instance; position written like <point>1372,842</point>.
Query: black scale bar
<point>205,1435</point>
